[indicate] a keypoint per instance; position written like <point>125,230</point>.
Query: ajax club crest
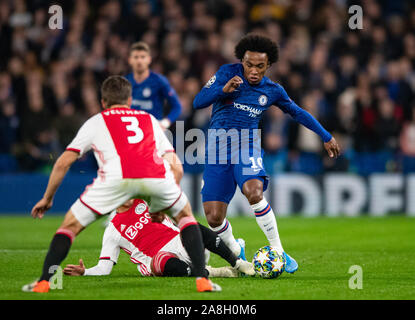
<point>140,208</point>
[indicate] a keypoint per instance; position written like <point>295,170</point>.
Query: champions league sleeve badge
<point>210,82</point>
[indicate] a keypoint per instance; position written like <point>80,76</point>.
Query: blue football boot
<point>291,265</point>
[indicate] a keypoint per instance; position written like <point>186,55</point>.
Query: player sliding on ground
<point>240,93</point>
<point>155,247</point>
<point>128,145</point>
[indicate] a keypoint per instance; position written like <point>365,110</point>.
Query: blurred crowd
<point>359,83</point>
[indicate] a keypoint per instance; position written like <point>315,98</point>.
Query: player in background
<point>128,146</point>
<point>150,89</point>
<point>155,247</point>
<point>240,93</point>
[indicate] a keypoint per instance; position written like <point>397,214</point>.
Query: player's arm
<point>175,165</point>
<point>175,105</point>
<point>219,86</point>
<point>306,119</point>
<point>103,268</point>
<point>109,255</point>
<point>166,150</point>
<point>80,144</point>
<point>59,171</point>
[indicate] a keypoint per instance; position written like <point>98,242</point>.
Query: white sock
<point>224,231</point>
<point>265,218</point>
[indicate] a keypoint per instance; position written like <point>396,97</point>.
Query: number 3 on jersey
<point>133,127</point>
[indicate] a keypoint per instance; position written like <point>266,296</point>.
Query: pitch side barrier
<point>339,194</point>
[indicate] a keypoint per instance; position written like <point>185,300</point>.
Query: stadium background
<point>359,83</point>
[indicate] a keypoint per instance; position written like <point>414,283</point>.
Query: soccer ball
<point>268,263</point>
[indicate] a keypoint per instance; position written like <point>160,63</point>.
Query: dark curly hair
<point>257,43</point>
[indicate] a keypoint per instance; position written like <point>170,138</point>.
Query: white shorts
<point>175,246</point>
<point>102,197</point>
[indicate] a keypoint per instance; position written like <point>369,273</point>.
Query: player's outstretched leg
<point>265,217</point>
<point>224,231</point>
<point>192,241</point>
<point>215,244</point>
<point>216,216</point>
<point>167,264</point>
<point>222,272</point>
<point>58,250</point>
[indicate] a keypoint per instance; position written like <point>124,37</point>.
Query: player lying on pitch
<point>155,247</point>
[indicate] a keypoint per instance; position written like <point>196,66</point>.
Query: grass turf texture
<point>325,248</point>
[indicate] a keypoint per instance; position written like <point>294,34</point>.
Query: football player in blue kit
<point>240,93</point>
<point>150,89</point>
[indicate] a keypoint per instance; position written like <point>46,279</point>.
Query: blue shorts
<point>220,180</point>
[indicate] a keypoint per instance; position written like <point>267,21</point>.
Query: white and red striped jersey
<point>134,232</point>
<point>127,144</point>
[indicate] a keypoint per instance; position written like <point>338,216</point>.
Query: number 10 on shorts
<point>256,165</point>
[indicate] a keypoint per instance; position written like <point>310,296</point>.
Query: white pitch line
<point>34,250</point>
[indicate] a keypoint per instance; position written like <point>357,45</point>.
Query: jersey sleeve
<point>103,268</point>
<point>83,140</point>
<point>284,102</point>
<point>212,91</point>
<point>144,269</point>
<point>110,244</point>
<point>163,144</point>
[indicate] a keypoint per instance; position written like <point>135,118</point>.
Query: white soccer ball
<point>268,263</point>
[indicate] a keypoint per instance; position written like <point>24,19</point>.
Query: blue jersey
<point>234,114</point>
<point>150,94</point>
<point>242,109</point>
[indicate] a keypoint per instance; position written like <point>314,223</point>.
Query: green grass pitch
<point>325,249</point>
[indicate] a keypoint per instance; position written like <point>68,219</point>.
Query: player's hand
<point>74,270</point>
<point>232,84</point>
<point>41,207</point>
<point>332,148</point>
<point>165,123</point>
<point>157,217</point>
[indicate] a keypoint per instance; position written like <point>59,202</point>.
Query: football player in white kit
<point>128,146</point>
<point>155,247</point>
